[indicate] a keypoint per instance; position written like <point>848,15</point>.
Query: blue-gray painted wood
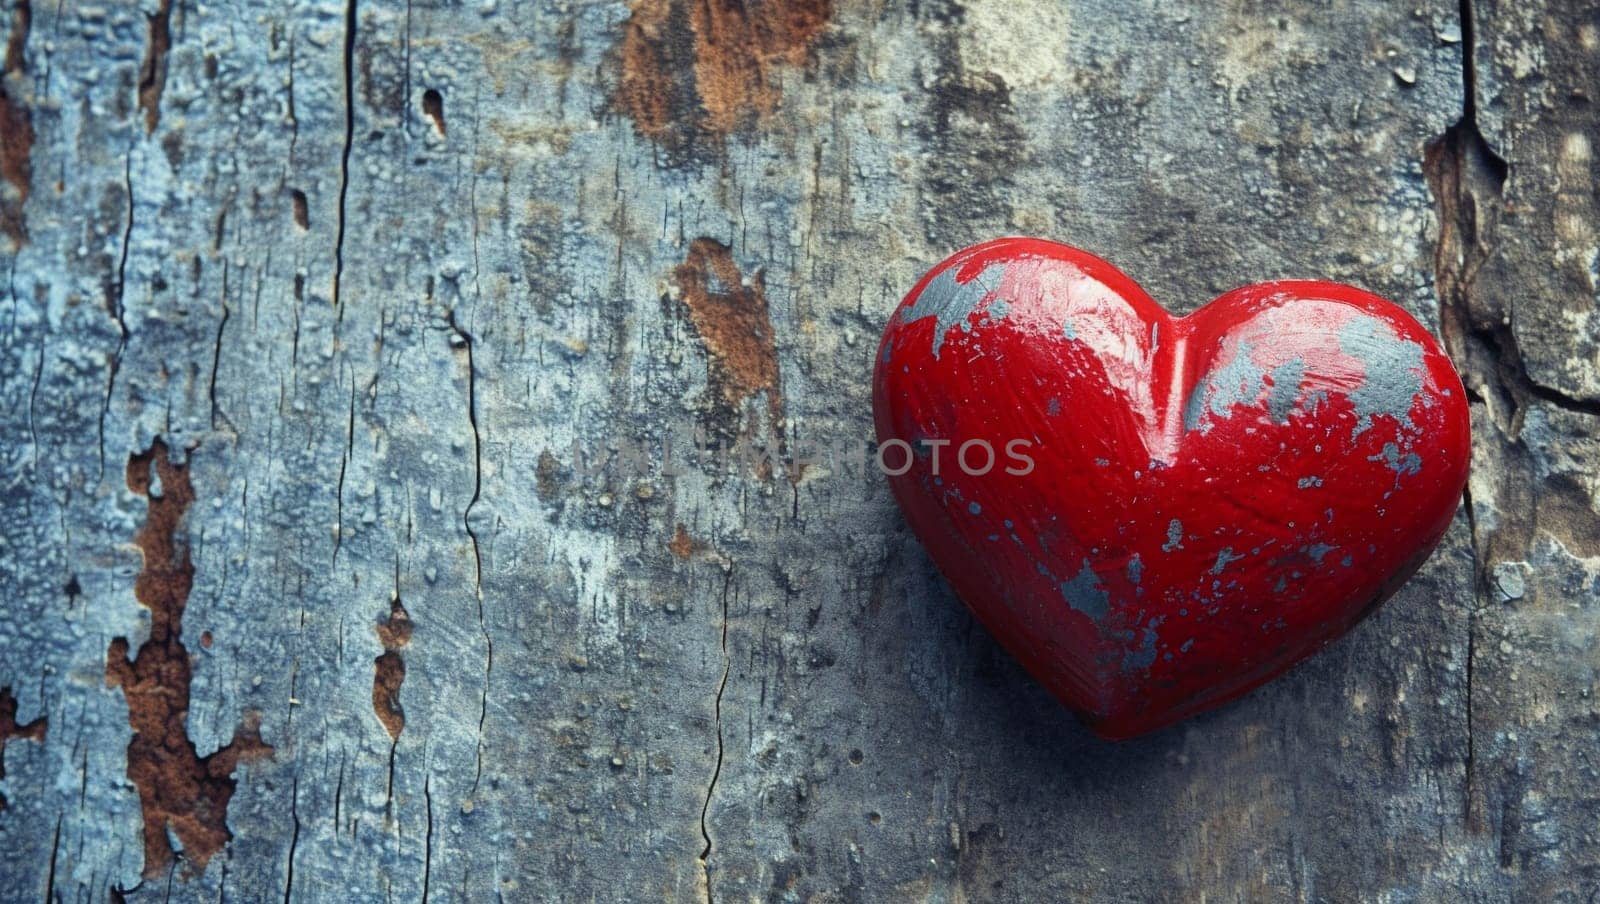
<point>786,703</point>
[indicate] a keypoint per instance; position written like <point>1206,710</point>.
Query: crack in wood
<point>464,340</point>
<point>716,770</point>
<point>350,24</point>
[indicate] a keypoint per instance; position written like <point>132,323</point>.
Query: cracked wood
<point>373,270</point>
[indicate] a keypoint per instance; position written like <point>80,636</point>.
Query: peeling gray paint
<point>1142,656</point>
<point>1286,379</point>
<point>1223,558</point>
<point>950,303</point>
<point>1085,593</point>
<point>1393,372</point>
<point>1318,551</point>
<point>1239,382</point>
<point>1402,464</point>
<point>1174,536</point>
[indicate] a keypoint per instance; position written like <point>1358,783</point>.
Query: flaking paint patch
<point>1174,536</point>
<point>10,729</point>
<point>730,314</point>
<point>695,72</point>
<point>389,669</point>
<point>1143,656</point>
<point>1402,464</point>
<point>1223,558</point>
<point>1239,382</point>
<point>1394,372</point>
<point>183,796</point>
<point>1286,379</point>
<point>16,130</point>
<point>1085,593</point>
<point>1319,551</point>
<point>950,302</point>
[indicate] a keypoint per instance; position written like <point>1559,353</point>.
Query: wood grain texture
<point>371,271</point>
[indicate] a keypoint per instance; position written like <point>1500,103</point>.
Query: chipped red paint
<point>1213,497</point>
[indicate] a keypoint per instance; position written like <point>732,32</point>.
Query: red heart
<point>1212,498</point>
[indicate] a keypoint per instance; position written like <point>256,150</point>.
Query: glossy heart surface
<point>1175,509</point>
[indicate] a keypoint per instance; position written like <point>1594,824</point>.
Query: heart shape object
<point>1176,509</point>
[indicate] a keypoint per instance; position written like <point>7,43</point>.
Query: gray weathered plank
<point>370,271</point>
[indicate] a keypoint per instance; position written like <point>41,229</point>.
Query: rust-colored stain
<point>180,792</point>
<point>731,318</point>
<point>682,545</point>
<point>153,71</point>
<point>16,130</point>
<point>695,69</point>
<point>389,669</point>
<point>33,731</point>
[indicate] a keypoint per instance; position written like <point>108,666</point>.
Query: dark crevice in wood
<point>216,351</point>
<point>55,851</point>
<point>180,792</point>
<point>716,769</point>
<point>349,141</point>
<point>433,106</point>
<point>344,466</point>
<point>338,793</point>
<point>427,838</point>
<point>464,340</point>
<point>1467,178</point>
<point>288,89</point>
<point>294,838</point>
<point>116,306</point>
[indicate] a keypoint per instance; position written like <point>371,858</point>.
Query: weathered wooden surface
<point>369,271</point>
